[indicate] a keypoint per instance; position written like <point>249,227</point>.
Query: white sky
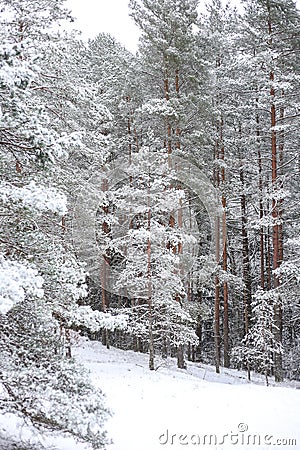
<point>110,16</point>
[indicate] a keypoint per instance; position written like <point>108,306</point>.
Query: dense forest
<point>149,201</point>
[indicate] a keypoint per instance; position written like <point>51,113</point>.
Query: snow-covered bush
<point>51,391</point>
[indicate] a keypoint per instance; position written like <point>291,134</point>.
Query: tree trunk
<point>169,128</point>
<point>224,234</point>
<point>261,206</point>
<point>150,306</point>
<point>268,259</point>
<point>280,206</point>
<point>274,184</point>
<point>246,258</point>
<point>164,350</point>
<point>275,207</point>
<point>104,272</point>
<point>217,325</point>
<point>178,132</point>
<point>180,357</point>
<point>217,281</point>
<point>199,328</point>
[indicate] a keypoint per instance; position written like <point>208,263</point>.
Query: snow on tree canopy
<point>96,320</point>
<point>17,280</point>
<point>36,197</point>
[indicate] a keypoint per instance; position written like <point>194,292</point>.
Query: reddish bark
<point>261,206</point>
<point>224,226</point>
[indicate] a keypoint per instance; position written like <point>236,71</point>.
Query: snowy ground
<point>175,409</point>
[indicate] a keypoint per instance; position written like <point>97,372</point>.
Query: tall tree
<point>41,281</point>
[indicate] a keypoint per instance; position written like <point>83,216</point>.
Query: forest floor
<point>175,409</point>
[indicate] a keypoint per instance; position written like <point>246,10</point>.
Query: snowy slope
<point>174,409</point>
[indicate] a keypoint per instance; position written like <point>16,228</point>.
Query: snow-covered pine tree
<point>38,271</point>
<point>172,72</point>
<point>215,39</point>
<point>148,271</point>
<point>260,345</point>
<point>171,78</point>
<point>247,134</point>
<point>270,48</point>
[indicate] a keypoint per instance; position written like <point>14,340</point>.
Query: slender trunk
<point>136,344</point>
<point>180,357</point>
<point>63,225</point>
<point>18,166</point>
<point>224,226</point>
<point>225,296</point>
<point>266,377</point>
<point>246,258</point>
<point>68,344</point>
<point>169,128</point>
<point>278,306</point>
<point>150,305</point>
<point>199,328</point>
<point>189,280</point>
<point>151,341</point>
<point>217,304</point>
<point>217,281</point>
<point>273,153</point>
<point>275,207</point>
<point>268,259</point>
<point>104,273</point>
<point>178,131</point>
<point>193,354</point>
<point>129,132</point>
<point>189,352</point>
<point>217,325</point>
<point>105,338</point>
<point>180,351</point>
<point>278,316</point>
<point>164,350</point>
<point>105,269</point>
<point>261,206</point>
<point>280,206</point>
<point>274,184</point>
<point>180,224</point>
<point>246,265</point>
<point>137,145</point>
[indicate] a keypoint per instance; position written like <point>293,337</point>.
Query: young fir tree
<point>260,344</point>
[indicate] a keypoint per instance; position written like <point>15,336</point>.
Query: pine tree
<point>40,278</point>
<point>272,41</point>
<point>148,270</point>
<point>260,344</point>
